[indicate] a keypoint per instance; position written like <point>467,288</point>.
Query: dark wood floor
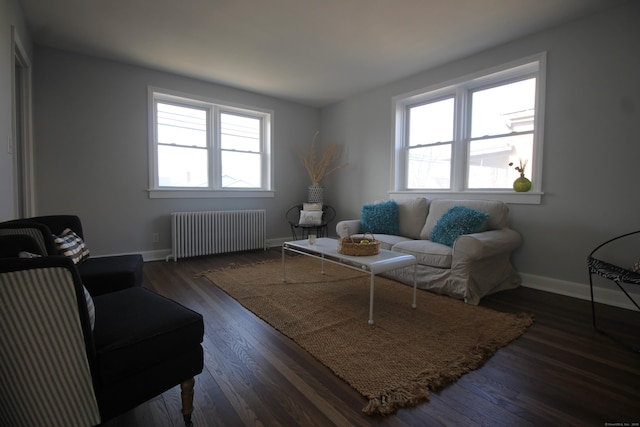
<point>560,372</point>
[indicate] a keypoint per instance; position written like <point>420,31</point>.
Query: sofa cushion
<point>112,273</point>
<point>426,252</point>
<point>498,213</point>
<point>412,214</point>
<point>387,241</point>
<point>457,221</point>
<point>380,218</point>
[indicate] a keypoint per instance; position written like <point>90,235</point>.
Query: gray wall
<point>11,16</point>
<point>591,146</point>
<point>91,150</point>
<point>91,143</point>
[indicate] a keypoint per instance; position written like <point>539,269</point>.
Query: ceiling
<point>315,52</point>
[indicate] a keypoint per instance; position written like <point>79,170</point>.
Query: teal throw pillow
<point>457,221</point>
<point>380,218</point>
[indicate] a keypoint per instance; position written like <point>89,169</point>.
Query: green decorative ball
<point>522,184</point>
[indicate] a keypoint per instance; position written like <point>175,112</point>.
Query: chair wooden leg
<point>186,393</point>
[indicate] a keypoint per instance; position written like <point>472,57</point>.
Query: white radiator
<point>214,232</point>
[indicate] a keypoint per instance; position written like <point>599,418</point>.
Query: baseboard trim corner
<point>609,296</point>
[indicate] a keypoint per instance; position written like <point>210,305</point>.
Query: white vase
<point>316,193</point>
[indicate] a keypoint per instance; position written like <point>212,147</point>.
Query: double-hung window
<point>202,148</point>
<point>470,135</point>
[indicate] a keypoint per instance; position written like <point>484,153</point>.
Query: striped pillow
<point>71,245</point>
<point>91,308</point>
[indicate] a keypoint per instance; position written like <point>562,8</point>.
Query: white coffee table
<point>326,249</point>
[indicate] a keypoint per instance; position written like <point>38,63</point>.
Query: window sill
<point>208,194</point>
<point>507,196</point>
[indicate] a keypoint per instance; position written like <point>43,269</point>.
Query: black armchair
<point>321,228</point>
<point>99,274</point>
<point>59,370</point>
<point>621,276</point>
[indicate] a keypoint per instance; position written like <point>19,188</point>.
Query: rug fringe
<point>403,396</point>
<point>411,394</point>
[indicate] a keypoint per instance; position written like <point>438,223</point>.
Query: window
<point>201,148</point>
<point>461,137</point>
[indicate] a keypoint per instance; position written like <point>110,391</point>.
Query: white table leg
<point>415,285</point>
<point>371,300</point>
<point>284,278</point>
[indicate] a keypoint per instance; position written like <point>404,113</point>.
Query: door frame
<point>21,143</point>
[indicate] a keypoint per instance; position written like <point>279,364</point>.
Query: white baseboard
<point>166,255</point>
<point>278,242</point>
<point>157,255</point>
<point>610,296</point>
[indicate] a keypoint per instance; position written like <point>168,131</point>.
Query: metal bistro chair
<point>619,275</point>
<point>321,230</point>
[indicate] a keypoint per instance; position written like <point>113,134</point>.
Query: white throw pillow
<point>312,206</point>
<point>310,217</point>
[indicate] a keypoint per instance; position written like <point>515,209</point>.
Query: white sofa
<point>476,265</point>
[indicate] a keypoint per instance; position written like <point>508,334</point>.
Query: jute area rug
<point>394,363</point>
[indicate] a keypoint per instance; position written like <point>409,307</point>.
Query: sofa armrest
<point>348,227</point>
<point>471,247</point>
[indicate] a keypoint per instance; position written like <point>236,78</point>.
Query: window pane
<point>431,123</point>
<point>429,167</point>
<point>182,167</point>
<point>503,109</point>
<point>181,125</point>
<point>241,170</point>
<point>489,161</point>
<point>239,132</point>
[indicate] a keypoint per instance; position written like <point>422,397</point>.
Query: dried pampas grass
<point>318,167</point>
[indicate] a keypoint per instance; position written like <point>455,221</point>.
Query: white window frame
<point>531,66</point>
<point>214,110</point>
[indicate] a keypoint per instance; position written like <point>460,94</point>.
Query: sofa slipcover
<point>476,265</point>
